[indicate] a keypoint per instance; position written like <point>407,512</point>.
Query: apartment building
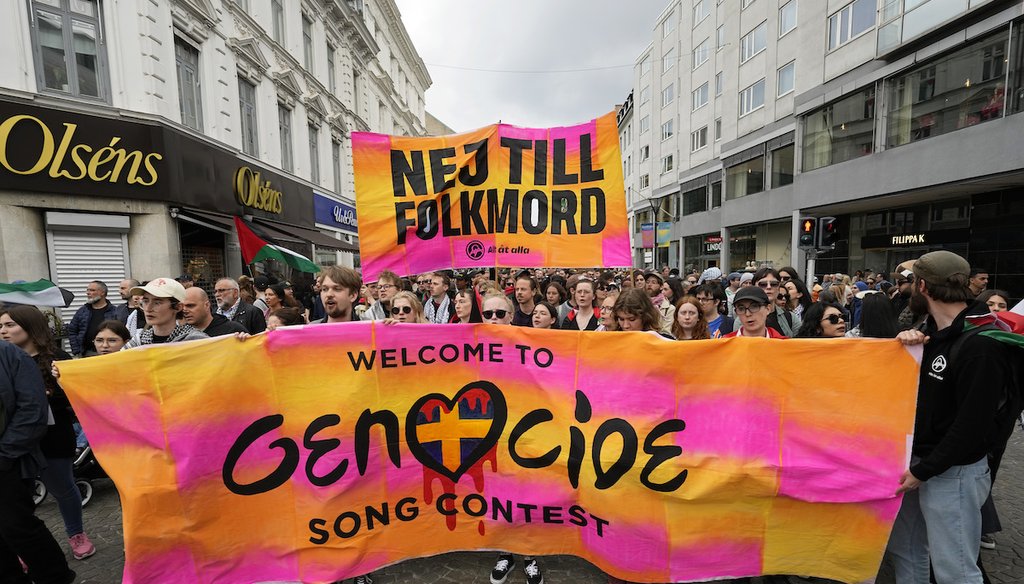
<point>897,117</point>
<point>131,131</point>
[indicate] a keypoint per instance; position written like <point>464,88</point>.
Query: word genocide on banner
<point>497,196</point>
<point>319,453</point>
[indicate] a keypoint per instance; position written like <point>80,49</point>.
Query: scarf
<point>438,315</point>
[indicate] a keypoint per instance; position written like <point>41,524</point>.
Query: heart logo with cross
<point>449,436</point>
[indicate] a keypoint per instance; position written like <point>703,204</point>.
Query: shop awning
<point>306,235</point>
<point>222,223</point>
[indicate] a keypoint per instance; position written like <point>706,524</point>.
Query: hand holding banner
<point>323,452</point>
<point>497,196</point>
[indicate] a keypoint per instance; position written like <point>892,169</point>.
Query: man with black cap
<point>962,416</point>
<point>752,309</point>
<point>186,281</point>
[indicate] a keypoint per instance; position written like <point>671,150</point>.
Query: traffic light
<point>828,232</point>
<point>808,232</point>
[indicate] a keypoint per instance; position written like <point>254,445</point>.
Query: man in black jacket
<point>23,416</point>
<point>196,310</point>
<point>232,307</point>
<point>960,419</point>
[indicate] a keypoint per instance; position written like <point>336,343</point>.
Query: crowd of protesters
<point>930,295</point>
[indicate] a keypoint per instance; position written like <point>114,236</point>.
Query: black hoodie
<point>221,326</point>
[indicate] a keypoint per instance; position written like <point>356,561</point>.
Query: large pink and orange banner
<point>497,196</point>
<point>323,452</point>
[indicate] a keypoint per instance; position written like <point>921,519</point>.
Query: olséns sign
<point>252,191</point>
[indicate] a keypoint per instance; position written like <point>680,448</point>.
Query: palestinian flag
<point>38,293</point>
<point>1010,326</point>
<point>258,246</point>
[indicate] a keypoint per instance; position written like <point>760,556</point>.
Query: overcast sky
<point>528,35</point>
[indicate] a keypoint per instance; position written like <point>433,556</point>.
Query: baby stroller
<point>85,469</point>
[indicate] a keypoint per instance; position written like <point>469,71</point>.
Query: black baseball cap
<point>752,293</point>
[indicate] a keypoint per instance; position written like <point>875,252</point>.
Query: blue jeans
<point>60,482</point>
<point>941,521</point>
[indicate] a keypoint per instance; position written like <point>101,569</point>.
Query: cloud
<point>529,40</point>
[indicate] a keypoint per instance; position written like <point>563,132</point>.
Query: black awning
<point>222,223</point>
<point>307,235</point>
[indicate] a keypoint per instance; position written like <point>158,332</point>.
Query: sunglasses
<point>489,314</point>
<point>834,319</point>
<point>396,310</point>
<point>768,284</point>
<point>785,278</point>
<point>784,297</point>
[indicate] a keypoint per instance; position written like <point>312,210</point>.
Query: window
<point>668,129</point>
<point>645,181</point>
<point>314,154</point>
<point>718,129</point>
<point>782,166</point>
<point>669,60</point>
<point>186,58</point>
<point>787,18</point>
<point>645,152</point>
<point>720,38</point>
<point>786,78</point>
<point>247,107</point>
<point>645,95</point>
<point>695,201</point>
<point>850,22</point>
<point>69,54</point>
<point>307,42</point>
<point>645,65</point>
<point>277,16</point>
<point>745,178</point>
<point>666,164</point>
<point>754,42</point>
<point>702,53</point>
<point>719,83</point>
<point>645,124</point>
<point>716,194</point>
<point>700,97</point>
<point>332,79</point>
<point>336,164</point>
<point>840,131</point>
<point>962,89</point>
<point>669,25</point>
<point>700,11</point>
<point>284,129</point>
<point>668,94</point>
<point>698,139</point>
<point>752,98</point>
<point>357,93</point>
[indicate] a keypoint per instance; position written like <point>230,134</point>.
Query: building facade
<point>898,118</point>
<point>131,132</point>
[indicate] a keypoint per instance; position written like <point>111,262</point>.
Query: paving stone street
<point>1005,564</point>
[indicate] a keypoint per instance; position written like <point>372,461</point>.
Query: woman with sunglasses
<point>823,320</point>
<point>467,308</point>
<point>405,307</point>
<point>584,317</point>
<point>26,327</point>
<point>497,308</point>
<point>689,323</point>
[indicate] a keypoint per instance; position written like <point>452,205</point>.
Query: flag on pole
<point>259,246</point>
<point>38,293</point>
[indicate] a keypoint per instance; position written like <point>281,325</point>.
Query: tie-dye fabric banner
<point>497,196</point>
<point>323,452</point>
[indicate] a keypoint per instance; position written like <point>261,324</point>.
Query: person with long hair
<point>823,320</point>
<point>877,318</point>
<point>467,306</point>
<point>405,307</point>
<point>995,300</point>
<point>545,315</point>
<point>671,292</point>
<point>689,323</point>
<point>583,317</point>
<point>799,296</point>
<point>555,293</point>
<point>246,290</point>
<point>284,317</point>
<point>275,297</point>
<point>26,327</point>
<point>634,311</point>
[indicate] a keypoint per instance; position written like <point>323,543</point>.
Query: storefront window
<point>782,166</point>
<point>841,131</point>
<point>695,201</point>
<point>959,90</point>
<point>745,178</point>
<point>716,194</point>
<point>742,247</point>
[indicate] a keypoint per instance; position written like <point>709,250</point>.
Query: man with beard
<point>196,311</point>
<point>652,283</point>
<point>85,324</point>
<point>962,416</point>
<point>526,289</point>
<point>339,290</point>
<point>232,307</point>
